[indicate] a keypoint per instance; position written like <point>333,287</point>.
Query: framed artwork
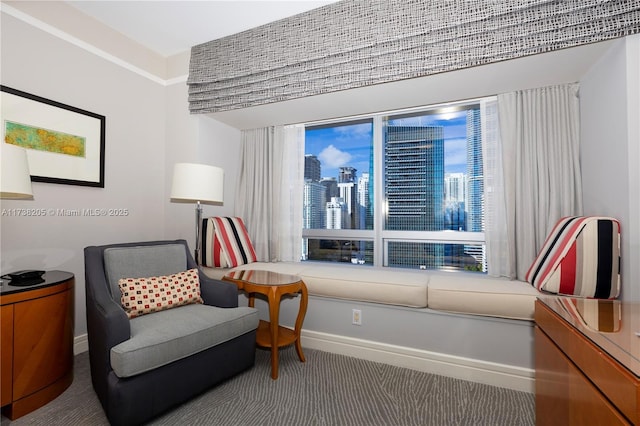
<point>64,144</point>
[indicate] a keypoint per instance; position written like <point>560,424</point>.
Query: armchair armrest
<point>218,293</point>
<point>107,323</point>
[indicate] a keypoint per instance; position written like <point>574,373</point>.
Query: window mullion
<point>380,210</point>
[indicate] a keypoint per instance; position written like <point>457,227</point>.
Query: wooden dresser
<point>587,362</point>
<point>36,342</point>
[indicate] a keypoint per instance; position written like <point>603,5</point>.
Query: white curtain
<point>539,132</point>
<point>495,225</point>
<point>269,191</point>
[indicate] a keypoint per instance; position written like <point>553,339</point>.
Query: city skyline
<point>432,180</point>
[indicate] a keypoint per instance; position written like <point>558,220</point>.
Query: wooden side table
<point>37,342</point>
<point>273,285</point>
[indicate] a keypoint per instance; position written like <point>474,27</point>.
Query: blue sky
<point>340,146</point>
<point>349,145</point>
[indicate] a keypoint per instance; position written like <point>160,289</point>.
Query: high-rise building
<point>336,213</point>
<point>332,187</point>
<point>311,168</point>
<point>475,185</point>
<point>455,187</point>
<point>347,174</point>
<point>370,191</point>
<point>414,178</point>
<point>364,201</point>
<point>313,205</point>
<point>455,194</point>
<point>475,175</point>
<point>414,191</point>
<point>455,216</point>
<point>347,185</point>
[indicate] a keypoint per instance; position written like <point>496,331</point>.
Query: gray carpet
<point>328,389</point>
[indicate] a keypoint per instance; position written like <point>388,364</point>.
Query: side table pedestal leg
<point>274,313</point>
<point>300,319</point>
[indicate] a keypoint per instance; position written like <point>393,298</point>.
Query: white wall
<point>610,113</point>
<point>196,139</point>
<point>148,130</point>
<point>35,62</point>
<point>632,233</point>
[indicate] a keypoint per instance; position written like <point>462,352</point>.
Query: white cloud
<point>354,131</point>
<point>332,157</point>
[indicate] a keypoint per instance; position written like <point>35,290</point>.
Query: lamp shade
<point>197,182</point>
<point>15,181</point>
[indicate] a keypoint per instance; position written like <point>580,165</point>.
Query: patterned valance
<point>355,43</point>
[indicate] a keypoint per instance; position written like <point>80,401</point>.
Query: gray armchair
<point>143,366</point>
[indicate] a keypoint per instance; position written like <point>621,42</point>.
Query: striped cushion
<point>580,257</point>
<point>225,243</point>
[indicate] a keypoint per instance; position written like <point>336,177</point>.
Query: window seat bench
<point>457,292</point>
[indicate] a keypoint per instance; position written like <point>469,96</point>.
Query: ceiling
<point>171,27</point>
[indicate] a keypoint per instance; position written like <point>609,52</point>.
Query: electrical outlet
<point>356,317</point>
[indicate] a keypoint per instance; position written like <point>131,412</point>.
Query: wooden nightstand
<point>37,342</point>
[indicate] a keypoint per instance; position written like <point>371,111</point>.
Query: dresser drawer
<point>609,377</point>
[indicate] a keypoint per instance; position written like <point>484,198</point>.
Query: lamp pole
<point>198,233</point>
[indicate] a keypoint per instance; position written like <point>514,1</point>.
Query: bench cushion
<point>459,292</point>
<point>367,284</point>
<point>481,295</point>
<point>163,337</point>
<point>404,287</point>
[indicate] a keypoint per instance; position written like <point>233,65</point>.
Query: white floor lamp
<point>197,183</point>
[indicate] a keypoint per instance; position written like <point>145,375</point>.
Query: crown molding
<point>56,32</point>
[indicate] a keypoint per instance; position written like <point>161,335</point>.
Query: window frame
<point>378,235</point>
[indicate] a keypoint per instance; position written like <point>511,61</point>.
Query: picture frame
<point>64,144</point>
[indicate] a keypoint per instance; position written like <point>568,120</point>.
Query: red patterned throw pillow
<point>142,296</point>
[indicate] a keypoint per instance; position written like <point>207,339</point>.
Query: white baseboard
<point>80,344</point>
<point>505,376</point>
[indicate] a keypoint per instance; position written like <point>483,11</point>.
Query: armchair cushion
<point>142,261</point>
<point>167,336</point>
<point>142,296</point>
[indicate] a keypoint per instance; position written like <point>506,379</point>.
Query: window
<point>402,189</point>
